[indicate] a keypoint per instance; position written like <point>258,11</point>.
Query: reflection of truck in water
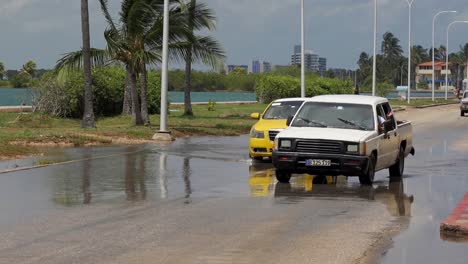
<point>319,187</point>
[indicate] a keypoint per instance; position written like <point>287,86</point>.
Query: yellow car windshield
<point>282,110</point>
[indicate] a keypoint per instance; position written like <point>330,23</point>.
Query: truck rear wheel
<point>462,113</point>
<point>367,178</point>
<point>283,176</point>
<point>398,168</point>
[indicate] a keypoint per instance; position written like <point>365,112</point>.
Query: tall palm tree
<point>126,45</point>
<point>391,47</point>
<point>30,68</point>
<point>88,113</point>
<point>197,48</point>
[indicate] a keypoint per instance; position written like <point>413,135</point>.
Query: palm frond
<point>74,60</point>
<point>107,15</point>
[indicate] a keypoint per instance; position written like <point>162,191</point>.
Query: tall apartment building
<point>322,66</point>
<point>260,66</point>
<point>311,59</point>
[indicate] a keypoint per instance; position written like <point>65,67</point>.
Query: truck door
<point>392,135</point>
<point>384,144</point>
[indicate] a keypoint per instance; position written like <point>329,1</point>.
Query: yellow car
<point>269,124</point>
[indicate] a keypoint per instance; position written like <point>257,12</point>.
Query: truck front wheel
<point>367,177</point>
<point>283,176</point>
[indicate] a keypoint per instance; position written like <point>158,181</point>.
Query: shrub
<point>383,89</point>
<point>21,80</point>
<point>63,95</point>
<point>271,87</point>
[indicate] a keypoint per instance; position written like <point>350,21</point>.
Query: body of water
<point>19,96</point>
<point>15,96</point>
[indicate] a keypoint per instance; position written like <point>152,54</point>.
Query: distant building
<point>342,73</point>
<point>322,66</point>
<point>230,68</point>
<point>260,66</point>
<point>311,59</point>
<point>424,73</point>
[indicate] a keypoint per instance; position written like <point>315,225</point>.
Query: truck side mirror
<point>388,126</point>
<point>289,121</point>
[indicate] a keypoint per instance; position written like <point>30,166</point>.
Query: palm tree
<point>197,48</point>
<point>88,113</point>
<point>126,43</point>
<point>391,48</point>
<point>30,68</point>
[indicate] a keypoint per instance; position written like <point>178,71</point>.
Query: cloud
<point>12,7</point>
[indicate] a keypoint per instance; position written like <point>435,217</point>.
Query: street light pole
<point>410,5</point>
<point>303,93</point>
<point>374,58</point>
<point>163,133</point>
<point>447,54</point>
<point>433,49</point>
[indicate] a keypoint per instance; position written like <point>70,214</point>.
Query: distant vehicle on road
<point>270,123</point>
<point>464,104</point>
<point>347,135</point>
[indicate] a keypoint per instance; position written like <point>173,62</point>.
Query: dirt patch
<point>49,144</point>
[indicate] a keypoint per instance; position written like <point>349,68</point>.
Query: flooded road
<point>201,200</point>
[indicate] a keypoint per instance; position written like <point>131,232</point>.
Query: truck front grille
<point>319,146</point>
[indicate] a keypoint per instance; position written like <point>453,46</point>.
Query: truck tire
<point>283,176</point>
<point>462,113</point>
<point>367,177</point>
<point>397,169</point>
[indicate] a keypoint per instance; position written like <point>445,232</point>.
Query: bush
<point>21,80</point>
<point>272,87</point>
<point>63,95</point>
<point>383,89</point>
<point>154,92</point>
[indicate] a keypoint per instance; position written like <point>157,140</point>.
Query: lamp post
<point>433,49</point>
<point>163,133</point>
<point>410,5</point>
<point>303,94</point>
<point>447,54</point>
<point>374,58</point>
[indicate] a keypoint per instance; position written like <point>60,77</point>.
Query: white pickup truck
<point>347,135</point>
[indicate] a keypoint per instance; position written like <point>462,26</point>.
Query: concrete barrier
<point>16,109</point>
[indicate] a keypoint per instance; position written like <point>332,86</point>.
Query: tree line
<point>392,65</point>
<point>27,76</point>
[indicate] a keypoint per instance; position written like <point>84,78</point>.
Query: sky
<point>43,30</point>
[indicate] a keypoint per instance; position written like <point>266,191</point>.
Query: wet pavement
<point>201,200</point>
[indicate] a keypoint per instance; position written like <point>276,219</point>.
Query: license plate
<point>318,163</point>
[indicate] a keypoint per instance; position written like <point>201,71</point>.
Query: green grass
<point>27,128</point>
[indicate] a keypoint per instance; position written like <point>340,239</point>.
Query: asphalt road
<point>201,200</point>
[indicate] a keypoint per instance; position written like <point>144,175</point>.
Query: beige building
<point>424,74</point>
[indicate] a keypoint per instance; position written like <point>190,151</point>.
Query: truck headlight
<point>275,146</point>
<point>352,148</point>
<point>257,134</point>
<point>285,144</point>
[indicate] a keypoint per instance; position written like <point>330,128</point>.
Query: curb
<point>457,222</point>
<point>435,105</point>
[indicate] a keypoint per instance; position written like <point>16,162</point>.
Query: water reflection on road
<point>391,194</point>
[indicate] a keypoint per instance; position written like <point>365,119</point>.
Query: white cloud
<point>12,7</point>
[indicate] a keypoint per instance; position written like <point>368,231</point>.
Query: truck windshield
<point>335,115</point>
<point>282,110</point>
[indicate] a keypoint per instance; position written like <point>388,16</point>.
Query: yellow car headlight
<point>257,134</point>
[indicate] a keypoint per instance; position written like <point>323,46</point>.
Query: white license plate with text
<point>318,163</point>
